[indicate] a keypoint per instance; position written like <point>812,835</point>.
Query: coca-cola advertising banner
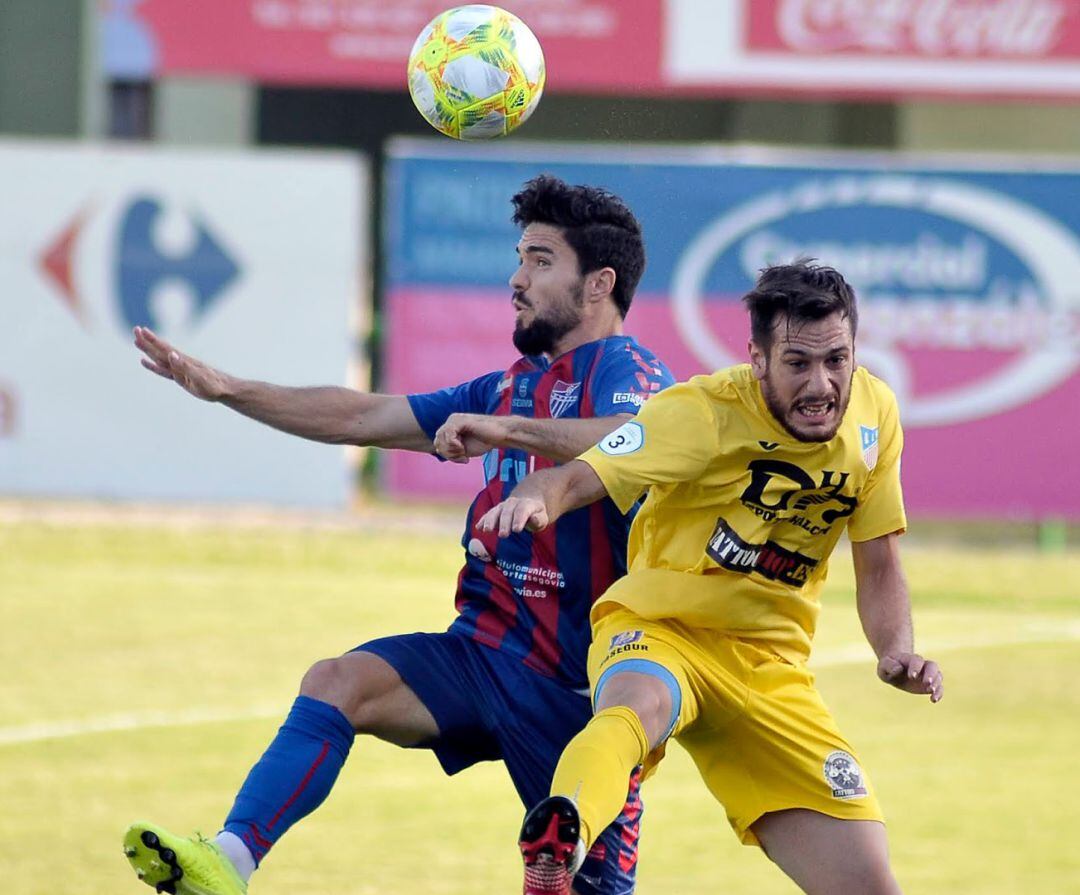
<point>969,283</point>
<point>587,43</point>
<point>929,29</point>
<point>1009,48</point>
<point>893,48</point>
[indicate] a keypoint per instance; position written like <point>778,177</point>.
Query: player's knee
<point>654,709</point>
<point>648,698</point>
<point>328,680</point>
<point>366,690</point>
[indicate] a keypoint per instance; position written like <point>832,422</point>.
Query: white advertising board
<point>249,260</point>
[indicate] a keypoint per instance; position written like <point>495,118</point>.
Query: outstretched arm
<point>466,435</point>
<point>329,414</point>
<point>885,613</point>
<point>543,497</point>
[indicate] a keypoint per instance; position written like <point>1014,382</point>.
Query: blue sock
<point>294,775</point>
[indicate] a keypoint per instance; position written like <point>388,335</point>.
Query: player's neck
<point>582,335</point>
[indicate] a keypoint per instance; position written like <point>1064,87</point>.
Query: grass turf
<point>189,643</point>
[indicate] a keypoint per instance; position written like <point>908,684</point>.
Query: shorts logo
<point>869,437</point>
<point>629,437</point>
<point>625,638</point>
<point>843,775</point>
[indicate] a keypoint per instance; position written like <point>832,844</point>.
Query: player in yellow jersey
<point>752,474</point>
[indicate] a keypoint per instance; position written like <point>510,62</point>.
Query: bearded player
<point>507,680</point>
<point>752,473</point>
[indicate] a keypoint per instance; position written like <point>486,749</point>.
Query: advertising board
<point>968,277</point>
<point>251,261</point>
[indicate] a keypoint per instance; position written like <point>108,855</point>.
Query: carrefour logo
<point>138,268</point>
<point>969,297</point>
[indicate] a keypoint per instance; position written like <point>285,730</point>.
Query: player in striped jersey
<point>514,659</point>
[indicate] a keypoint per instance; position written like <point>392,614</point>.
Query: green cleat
<point>178,865</point>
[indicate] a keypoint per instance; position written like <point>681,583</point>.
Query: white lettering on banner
<point>926,27</point>
<point>1037,314</point>
<point>927,262</point>
<point>403,21</point>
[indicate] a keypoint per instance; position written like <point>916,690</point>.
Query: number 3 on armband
<point>629,437</point>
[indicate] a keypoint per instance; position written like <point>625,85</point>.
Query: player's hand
<point>466,435</point>
<point>192,375</point>
<point>912,673</point>
<point>515,514</point>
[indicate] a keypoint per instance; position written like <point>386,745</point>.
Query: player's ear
<point>601,283</point>
<point>759,359</point>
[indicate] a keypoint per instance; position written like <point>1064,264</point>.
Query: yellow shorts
<point>754,724</point>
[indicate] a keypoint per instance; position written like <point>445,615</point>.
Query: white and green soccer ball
<point>476,72</point>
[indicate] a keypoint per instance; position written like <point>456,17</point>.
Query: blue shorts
<point>490,706</point>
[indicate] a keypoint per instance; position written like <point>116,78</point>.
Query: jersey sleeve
<point>626,379</point>
<point>478,395</point>
<point>881,504</point>
<point>673,438</point>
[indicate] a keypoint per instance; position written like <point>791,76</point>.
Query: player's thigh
<point>648,693</point>
<point>451,677</point>
<point>372,695</point>
<point>826,855</point>
<point>641,663</point>
<point>781,750</point>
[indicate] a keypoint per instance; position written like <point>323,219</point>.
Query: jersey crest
<point>564,395</point>
<point>869,436</point>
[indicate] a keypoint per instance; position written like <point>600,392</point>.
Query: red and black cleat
<point>550,846</point>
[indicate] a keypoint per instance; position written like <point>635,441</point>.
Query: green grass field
<point>145,666</point>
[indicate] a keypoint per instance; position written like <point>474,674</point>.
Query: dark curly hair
<point>802,291</point>
<point>597,224</point>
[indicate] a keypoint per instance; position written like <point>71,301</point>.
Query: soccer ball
<point>476,72</point>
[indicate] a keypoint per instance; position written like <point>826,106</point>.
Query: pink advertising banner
<point>588,44</point>
<point>1028,30</point>
<point>876,48</point>
<point>967,281</point>
<point>868,48</point>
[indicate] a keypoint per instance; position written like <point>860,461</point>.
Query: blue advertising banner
<point>968,278</point>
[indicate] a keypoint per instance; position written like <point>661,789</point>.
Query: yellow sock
<point>595,767</point>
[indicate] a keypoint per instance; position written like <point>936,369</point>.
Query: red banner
<point>968,29</point>
<point>863,48</point>
<point>588,44</point>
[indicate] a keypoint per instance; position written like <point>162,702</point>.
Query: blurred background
<point>251,179</point>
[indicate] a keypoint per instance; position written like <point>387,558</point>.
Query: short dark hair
<point>597,224</point>
<point>802,291</point>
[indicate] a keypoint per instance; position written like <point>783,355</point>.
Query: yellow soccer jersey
<point>740,518</point>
